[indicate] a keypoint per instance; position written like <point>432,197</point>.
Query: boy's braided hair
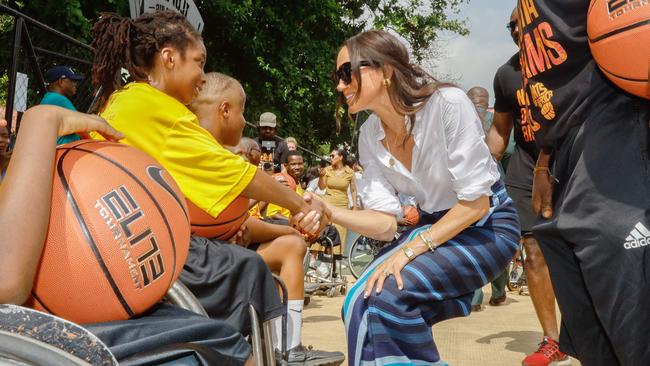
<point>131,44</point>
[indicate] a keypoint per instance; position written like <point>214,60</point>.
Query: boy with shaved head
<point>220,107</point>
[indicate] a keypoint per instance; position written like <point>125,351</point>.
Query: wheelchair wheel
<point>31,337</point>
<point>362,252</point>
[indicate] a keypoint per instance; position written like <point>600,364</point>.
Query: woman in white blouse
<point>424,139</point>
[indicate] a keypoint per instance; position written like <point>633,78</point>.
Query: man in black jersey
<point>591,185</point>
<point>509,107</point>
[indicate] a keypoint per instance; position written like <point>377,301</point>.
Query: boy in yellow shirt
<point>219,108</point>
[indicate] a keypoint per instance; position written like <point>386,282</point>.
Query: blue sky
<point>472,60</point>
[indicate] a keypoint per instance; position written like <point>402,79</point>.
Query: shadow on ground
<point>516,341</point>
<point>320,318</point>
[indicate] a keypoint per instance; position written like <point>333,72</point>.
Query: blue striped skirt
<point>394,327</point>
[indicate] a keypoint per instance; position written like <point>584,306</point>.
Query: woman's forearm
<point>322,182</point>
<point>373,224</point>
<point>458,218</point>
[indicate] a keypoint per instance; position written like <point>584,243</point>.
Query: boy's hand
<point>242,237</point>
<point>314,221</point>
<point>543,187</point>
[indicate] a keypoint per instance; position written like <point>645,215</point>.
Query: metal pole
<point>11,93</point>
<point>31,55</point>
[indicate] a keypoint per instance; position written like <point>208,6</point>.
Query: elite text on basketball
<point>121,214</point>
<point>616,8</point>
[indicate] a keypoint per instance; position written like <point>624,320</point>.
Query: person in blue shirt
<point>61,87</point>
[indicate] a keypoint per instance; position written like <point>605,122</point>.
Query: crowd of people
<point>482,182</point>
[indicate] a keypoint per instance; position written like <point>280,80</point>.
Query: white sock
<point>294,323</point>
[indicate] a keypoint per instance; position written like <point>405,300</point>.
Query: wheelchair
<point>30,337</point>
<point>335,282</point>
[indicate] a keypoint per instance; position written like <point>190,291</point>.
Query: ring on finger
<point>387,274</point>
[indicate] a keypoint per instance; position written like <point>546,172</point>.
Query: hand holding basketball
<point>242,237</point>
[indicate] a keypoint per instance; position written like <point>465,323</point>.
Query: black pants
<point>597,245</point>
<point>226,278</point>
<point>167,333</point>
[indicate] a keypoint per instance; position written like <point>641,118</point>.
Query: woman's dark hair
<point>312,173</point>
<point>131,44</point>
<point>410,86</point>
<point>345,155</point>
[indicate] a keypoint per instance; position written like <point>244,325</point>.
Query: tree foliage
<point>283,51</point>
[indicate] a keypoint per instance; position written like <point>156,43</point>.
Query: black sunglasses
<point>512,26</point>
<point>344,72</point>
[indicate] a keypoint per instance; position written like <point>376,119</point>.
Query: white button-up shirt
<point>450,161</point>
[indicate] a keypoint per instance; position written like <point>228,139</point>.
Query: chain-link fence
<point>35,49</point>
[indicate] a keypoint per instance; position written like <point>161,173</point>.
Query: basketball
<point>118,234</point>
<point>282,177</point>
<point>222,227</point>
<point>411,215</point>
<point>619,38</point>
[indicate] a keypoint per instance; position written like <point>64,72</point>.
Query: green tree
<point>283,51</point>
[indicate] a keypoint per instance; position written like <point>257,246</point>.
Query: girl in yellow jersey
<point>165,56</point>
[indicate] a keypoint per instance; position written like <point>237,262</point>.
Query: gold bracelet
<point>428,242</point>
<point>541,169</point>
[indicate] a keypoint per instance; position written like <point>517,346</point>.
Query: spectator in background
<point>295,165</point>
<point>292,145</point>
<point>61,87</point>
<point>336,179</point>
<point>313,174</point>
<point>481,99</point>
<point>519,183</point>
<point>272,147</point>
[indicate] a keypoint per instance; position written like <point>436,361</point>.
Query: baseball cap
<point>267,119</point>
<point>61,72</point>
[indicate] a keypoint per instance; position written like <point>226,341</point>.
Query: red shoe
<point>547,354</point>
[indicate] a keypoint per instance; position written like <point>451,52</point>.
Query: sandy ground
<point>496,336</point>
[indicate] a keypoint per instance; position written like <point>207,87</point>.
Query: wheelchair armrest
<point>182,297</point>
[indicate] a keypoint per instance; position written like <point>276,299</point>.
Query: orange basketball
<point>118,234</point>
<point>289,179</point>
<point>411,215</point>
<point>222,227</point>
<point>619,37</point>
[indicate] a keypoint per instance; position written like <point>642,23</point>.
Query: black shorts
<point>226,278</point>
<point>523,203</point>
<point>169,331</point>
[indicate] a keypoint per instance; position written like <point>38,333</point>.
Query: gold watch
<point>408,252</point>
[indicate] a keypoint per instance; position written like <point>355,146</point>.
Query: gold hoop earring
<point>386,82</point>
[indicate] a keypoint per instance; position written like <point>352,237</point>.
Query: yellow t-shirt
<point>272,209</point>
<point>208,175</point>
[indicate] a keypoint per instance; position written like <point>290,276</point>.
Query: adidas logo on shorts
<point>639,237</point>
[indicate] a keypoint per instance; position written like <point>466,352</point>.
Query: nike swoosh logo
<point>156,174</point>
